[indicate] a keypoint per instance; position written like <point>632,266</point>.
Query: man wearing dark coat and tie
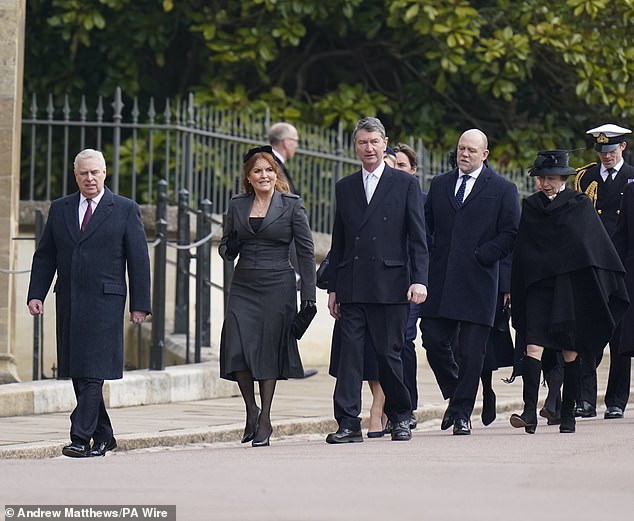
<point>378,265</point>
<point>89,240</point>
<point>472,214</point>
<point>605,183</point>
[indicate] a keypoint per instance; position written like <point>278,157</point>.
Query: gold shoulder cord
<point>591,190</point>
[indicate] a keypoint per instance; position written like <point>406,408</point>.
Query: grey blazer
<point>268,248</point>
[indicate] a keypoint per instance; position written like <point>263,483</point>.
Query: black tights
<point>267,390</point>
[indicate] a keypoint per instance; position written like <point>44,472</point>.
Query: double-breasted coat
<point>378,249</point>
<point>468,243</point>
<point>90,290</point>
<point>606,199</point>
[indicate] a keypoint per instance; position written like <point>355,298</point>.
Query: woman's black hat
<point>551,162</point>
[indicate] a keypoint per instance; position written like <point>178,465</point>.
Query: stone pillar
<point>12,14</point>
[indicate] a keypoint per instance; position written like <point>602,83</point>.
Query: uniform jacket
<point>379,249</point>
<point>468,244</point>
<point>606,201</point>
<point>90,290</point>
<point>285,221</point>
<point>623,239</point>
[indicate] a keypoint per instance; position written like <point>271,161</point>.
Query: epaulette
<point>580,173</point>
<point>585,167</point>
<point>291,195</point>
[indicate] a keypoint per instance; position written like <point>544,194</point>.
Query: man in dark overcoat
<point>89,240</point>
<point>604,183</point>
<point>378,265</point>
<point>472,214</point>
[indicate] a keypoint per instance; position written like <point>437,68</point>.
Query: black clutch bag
<point>302,320</point>
<point>504,317</point>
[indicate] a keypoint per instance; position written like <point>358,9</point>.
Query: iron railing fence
<point>192,147</point>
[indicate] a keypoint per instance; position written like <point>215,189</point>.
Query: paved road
<point>498,473</point>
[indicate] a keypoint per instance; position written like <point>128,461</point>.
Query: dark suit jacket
<point>608,201</point>
<point>623,239</point>
<point>90,290</point>
<point>285,221</point>
<point>379,249</point>
<point>468,244</point>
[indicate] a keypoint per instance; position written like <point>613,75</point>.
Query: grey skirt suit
<point>262,304</point>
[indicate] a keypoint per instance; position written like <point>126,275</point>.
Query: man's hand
<point>333,306</point>
<point>36,307</point>
<point>417,293</point>
<point>137,317</point>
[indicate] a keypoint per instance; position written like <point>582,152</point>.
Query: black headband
<point>266,149</point>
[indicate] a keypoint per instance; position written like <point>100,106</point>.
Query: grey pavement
<point>300,407</point>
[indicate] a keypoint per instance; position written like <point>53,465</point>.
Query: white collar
<point>377,172</point>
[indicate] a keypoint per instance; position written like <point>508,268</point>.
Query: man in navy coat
<point>89,239</point>
<point>472,214</point>
<point>378,265</point>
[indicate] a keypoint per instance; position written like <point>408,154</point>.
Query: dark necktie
<point>87,215</point>
<point>461,190</point>
<point>608,179</point>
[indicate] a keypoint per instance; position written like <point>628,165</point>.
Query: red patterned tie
<point>87,215</point>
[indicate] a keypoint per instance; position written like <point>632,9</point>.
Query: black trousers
<point>410,362</point>
<point>385,324</point>
<point>617,392</point>
<point>458,375</point>
<point>89,420</point>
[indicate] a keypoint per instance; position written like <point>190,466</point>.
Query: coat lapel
<point>242,207</point>
<point>480,183</point>
<point>276,210</point>
<point>100,215</point>
<point>71,216</point>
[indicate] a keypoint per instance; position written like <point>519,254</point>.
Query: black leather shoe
<point>585,410</point>
<point>344,436</point>
<point>401,431</point>
<point>309,372</point>
<point>461,427</point>
<point>447,420</point>
<point>77,450</point>
<point>519,420</point>
<point>100,449</point>
<point>551,417</point>
<point>613,413</point>
<point>388,427</point>
<point>413,421</point>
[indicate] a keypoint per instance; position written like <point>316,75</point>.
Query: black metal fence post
<point>183,260</point>
<point>158,297</point>
<point>203,279</point>
<point>38,320</point>
<point>227,275</point>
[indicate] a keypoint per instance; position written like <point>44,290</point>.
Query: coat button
<point>356,257</point>
<point>599,212</point>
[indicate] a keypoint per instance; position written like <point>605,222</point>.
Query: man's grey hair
<point>281,131</point>
<point>89,152</point>
<point>369,124</point>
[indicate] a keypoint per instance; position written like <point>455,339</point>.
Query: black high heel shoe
<point>249,430</point>
<point>264,442</point>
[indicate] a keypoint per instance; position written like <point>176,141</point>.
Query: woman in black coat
<point>259,339</point>
<point>567,284</point>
